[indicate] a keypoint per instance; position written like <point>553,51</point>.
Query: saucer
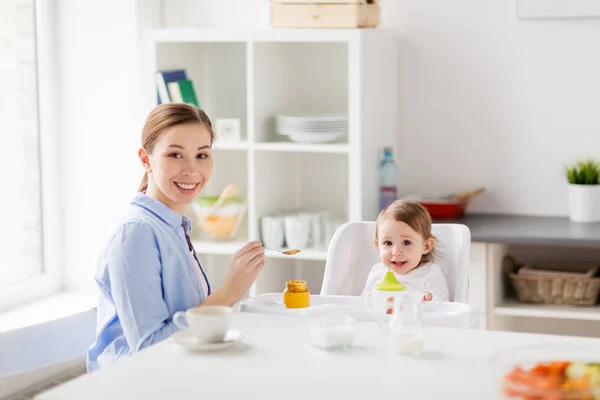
<point>187,339</point>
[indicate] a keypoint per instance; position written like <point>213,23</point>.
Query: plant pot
<point>584,203</point>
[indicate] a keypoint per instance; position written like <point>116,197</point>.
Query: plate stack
<point>313,128</point>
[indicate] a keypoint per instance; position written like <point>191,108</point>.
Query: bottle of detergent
<point>388,179</point>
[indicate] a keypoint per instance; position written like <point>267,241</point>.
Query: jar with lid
<point>296,294</point>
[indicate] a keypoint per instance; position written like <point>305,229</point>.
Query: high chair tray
<point>448,314</point>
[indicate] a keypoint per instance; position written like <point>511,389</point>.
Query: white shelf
<point>302,147</point>
<point>262,35</point>
<point>243,145</point>
<point>516,309</point>
<point>254,75</point>
<point>285,147</point>
<point>228,248</point>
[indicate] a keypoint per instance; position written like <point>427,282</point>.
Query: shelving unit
<point>255,75</point>
<point>516,309</point>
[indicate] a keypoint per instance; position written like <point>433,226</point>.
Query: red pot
<point>445,209</point>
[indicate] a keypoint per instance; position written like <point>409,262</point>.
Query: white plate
<point>311,132</point>
<point>312,127</point>
<point>283,131</point>
<point>312,118</point>
<point>319,137</point>
<point>187,339</point>
<point>288,129</point>
<point>310,121</point>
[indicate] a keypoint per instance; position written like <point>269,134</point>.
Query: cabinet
<point>490,290</point>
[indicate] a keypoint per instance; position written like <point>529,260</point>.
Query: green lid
<point>209,201</point>
<point>390,283</point>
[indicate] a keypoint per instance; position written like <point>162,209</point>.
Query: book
<point>163,78</point>
<point>183,92</point>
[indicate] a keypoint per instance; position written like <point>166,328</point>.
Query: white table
<point>277,361</point>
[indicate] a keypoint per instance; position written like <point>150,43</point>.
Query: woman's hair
<point>412,214</point>
<point>166,116</point>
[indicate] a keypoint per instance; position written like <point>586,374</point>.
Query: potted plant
<point>584,191</point>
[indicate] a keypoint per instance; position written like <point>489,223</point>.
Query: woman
<point>149,269</point>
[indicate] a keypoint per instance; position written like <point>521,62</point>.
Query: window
<point>25,270</point>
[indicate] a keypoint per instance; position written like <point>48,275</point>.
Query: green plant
<point>584,172</point>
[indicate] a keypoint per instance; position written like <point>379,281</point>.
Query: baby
<point>405,243</point>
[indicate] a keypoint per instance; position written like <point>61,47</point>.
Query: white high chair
<point>352,254</point>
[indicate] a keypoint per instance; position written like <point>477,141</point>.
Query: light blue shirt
<point>145,275</point>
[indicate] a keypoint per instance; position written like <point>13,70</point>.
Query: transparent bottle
<point>405,327</point>
<point>388,179</point>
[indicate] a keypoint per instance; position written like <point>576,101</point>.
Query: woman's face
<point>180,165</point>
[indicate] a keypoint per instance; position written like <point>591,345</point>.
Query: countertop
<point>529,230</point>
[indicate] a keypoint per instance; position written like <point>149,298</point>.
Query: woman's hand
<point>244,267</point>
<point>428,296</point>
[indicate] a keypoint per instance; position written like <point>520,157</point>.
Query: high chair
<point>352,254</point>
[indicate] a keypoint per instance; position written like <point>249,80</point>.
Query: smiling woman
<point>149,269</point>
<point>177,143</point>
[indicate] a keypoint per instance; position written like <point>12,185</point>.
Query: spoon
<point>227,192</point>
<point>286,252</point>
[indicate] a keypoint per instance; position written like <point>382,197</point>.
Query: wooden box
<point>325,14</point>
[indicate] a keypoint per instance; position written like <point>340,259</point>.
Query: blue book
<point>163,78</point>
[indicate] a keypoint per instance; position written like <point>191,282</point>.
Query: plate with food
<point>547,373</point>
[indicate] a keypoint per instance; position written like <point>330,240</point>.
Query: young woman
<point>149,269</point>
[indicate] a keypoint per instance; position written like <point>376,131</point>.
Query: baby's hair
<point>412,214</point>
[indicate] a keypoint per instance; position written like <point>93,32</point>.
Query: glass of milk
<point>333,332</point>
<point>405,328</point>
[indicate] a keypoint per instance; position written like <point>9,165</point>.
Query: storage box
<point>334,14</point>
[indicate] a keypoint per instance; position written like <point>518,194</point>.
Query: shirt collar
<point>162,211</point>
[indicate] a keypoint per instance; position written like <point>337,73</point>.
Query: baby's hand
<point>428,296</point>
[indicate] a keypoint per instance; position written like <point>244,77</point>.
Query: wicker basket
<point>554,284</point>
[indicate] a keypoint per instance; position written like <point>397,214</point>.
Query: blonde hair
<point>166,116</point>
<point>412,214</point>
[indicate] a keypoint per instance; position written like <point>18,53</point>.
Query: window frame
<point>49,281</point>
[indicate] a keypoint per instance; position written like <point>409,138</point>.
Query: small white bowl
<point>335,332</point>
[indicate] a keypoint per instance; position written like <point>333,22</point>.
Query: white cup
<point>297,231</point>
<point>272,232</point>
<point>209,324</point>
<point>316,229</point>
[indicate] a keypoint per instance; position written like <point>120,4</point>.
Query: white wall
<point>486,99</point>
<point>99,123</point>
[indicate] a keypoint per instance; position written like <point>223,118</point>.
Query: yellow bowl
<point>219,227</point>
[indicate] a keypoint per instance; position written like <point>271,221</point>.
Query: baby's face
<point>401,247</point>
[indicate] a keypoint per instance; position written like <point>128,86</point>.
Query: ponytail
<point>144,185</point>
